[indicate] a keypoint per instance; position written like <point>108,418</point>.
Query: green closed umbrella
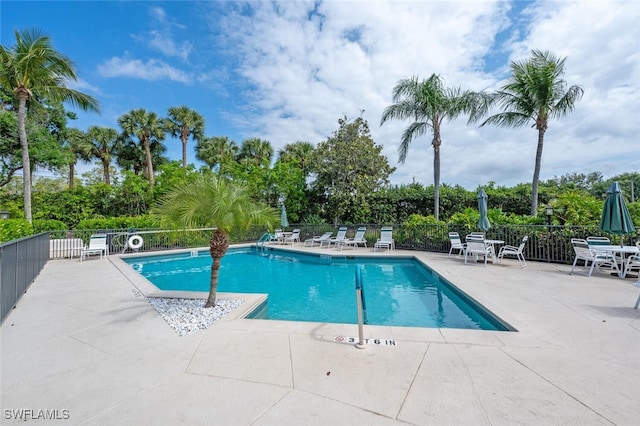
<point>615,215</point>
<point>483,223</point>
<point>284,222</point>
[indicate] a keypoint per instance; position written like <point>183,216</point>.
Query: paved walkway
<point>84,345</point>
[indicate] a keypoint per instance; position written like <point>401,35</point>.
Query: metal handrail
<point>361,307</point>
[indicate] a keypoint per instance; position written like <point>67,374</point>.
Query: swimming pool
<point>304,287</point>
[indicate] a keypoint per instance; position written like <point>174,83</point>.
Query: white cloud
<point>309,63</point>
<point>152,70</point>
<point>164,44</point>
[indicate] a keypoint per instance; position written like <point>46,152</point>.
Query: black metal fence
<point>20,263</point>
<point>545,243</point>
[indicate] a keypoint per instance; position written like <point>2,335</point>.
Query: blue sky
<point>286,71</point>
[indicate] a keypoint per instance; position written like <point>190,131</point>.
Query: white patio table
<point>493,248</point>
<point>616,249</point>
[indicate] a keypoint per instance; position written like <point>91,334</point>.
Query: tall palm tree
<point>184,122</point>
<point>34,71</point>
<point>534,94</point>
<point>102,143</point>
<point>147,127</point>
<point>428,103</point>
<point>214,201</point>
<point>216,150</point>
<point>76,142</point>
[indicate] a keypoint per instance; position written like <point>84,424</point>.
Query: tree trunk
<point>26,164</point>
<point>436,171</point>
<point>184,136</point>
<point>217,248</point>
<point>536,174</point>
<point>105,171</point>
<point>147,152</point>
<point>213,284</point>
<point>72,169</point>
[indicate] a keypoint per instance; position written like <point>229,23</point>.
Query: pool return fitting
<point>361,306</point>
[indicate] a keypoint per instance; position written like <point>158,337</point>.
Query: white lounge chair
<point>385,240</point>
<point>514,251</point>
<point>355,241</point>
<point>476,246</point>
<point>456,243</point>
<point>292,238</point>
<point>340,236</point>
<point>97,245</point>
<point>317,239</point>
<point>589,255</point>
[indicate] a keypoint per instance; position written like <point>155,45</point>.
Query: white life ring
<point>135,241</point>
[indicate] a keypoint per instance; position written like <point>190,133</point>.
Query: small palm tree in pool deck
<point>213,201</point>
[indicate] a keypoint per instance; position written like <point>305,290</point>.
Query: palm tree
<point>428,103</point>
<point>102,143</point>
<point>77,144</point>
<point>535,93</point>
<point>34,71</point>
<point>256,151</point>
<point>216,150</point>
<point>214,201</point>
<point>184,122</point>
<point>147,128</point>
<point>300,153</point>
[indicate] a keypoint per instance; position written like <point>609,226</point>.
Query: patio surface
<point>85,345</point>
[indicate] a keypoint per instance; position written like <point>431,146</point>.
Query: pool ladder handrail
<point>361,307</point>
<point>263,239</point>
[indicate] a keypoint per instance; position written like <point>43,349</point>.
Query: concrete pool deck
<point>83,344</point>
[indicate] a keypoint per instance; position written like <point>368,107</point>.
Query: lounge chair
<point>317,239</point>
<point>477,246</point>
<point>355,241</point>
<point>589,255</point>
<point>385,240</point>
<point>292,238</point>
<point>340,236</point>
<point>456,243</point>
<point>514,251</point>
<point>97,245</point>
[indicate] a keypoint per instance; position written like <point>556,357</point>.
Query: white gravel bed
<point>188,316</point>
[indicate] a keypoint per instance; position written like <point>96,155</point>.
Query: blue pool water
<point>302,287</point>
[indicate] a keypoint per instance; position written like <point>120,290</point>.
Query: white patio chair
<point>632,263</point>
<point>456,243</point>
<point>589,255</point>
<point>294,237</point>
<point>97,245</point>
<point>476,246</point>
<point>385,240</point>
<point>514,251</point>
<point>355,241</point>
<point>276,237</point>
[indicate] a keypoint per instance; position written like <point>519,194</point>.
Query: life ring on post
<point>135,242</point>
